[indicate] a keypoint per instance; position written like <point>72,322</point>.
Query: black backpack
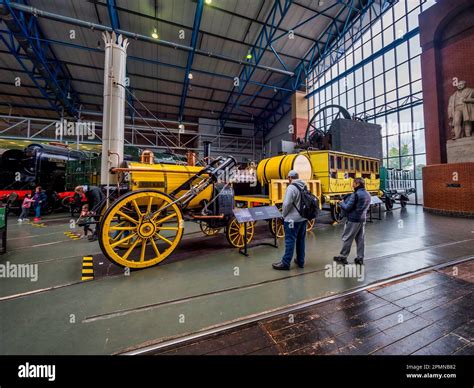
<point>309,203</point>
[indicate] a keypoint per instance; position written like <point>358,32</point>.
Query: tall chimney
<point>207,150</point>
<point>114,105</point>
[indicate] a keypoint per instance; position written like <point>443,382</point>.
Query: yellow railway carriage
<point>276,194</point>
<point>337,170</point>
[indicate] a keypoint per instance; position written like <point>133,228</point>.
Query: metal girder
<point>371,58</point>
<point>332,47</point>
<point>189,64</point>
<point>45,70</point>
<point>99,27</point>
<point>304,60</point>
<point>264,39</point>
<point>202,32</point>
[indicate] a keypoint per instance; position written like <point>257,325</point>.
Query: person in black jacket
<point>355,207</point>
<point>95,200</point>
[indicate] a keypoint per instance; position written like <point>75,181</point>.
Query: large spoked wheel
<point>235,233</point>
<point>336,213</point>
<point>277,224</point>
<point>310,225</point>
<point>141,229</point>
<point>207,230</point>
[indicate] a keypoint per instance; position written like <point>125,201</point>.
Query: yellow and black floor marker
<point>73,235</point>
<point>87,268</point>
<point>38,225</point>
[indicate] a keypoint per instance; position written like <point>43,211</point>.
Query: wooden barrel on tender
<point>278,167</point>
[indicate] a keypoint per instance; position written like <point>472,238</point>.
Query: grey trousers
<point>353,230</point>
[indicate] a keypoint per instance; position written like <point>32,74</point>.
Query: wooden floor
<point>431,314</point>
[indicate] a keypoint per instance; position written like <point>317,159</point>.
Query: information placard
<point>242,215</point>
<point>256,213</point>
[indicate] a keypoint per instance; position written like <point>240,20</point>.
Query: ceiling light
<point>190,75</point>
<point>208,1</point>
<point>154,34</point>
<point>249,55</point>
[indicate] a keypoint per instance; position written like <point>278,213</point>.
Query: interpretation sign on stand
<point>252,214</point>
<point>375,202</point>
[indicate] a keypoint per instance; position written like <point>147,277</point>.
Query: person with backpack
<point>299,206</point>
<point>355,207</point>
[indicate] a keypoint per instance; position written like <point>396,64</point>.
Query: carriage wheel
<point>310,225</point>
<point>280,227</point>
<point>207,230</point>
<point>141,229</point>
<point>388,203</point>
<point>336,213</point>
<point>403,201</point>
<point>235,233</point>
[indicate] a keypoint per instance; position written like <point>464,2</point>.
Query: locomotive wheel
<point>141,229</point>
<point>207,230</point>
<point>388,203</point>
<point>235,233</point>
<point>403,201</point>
<point>310,225</point>
<point>280,227</point>
<point>336,213</point>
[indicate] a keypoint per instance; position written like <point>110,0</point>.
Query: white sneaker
<point>26,219</point>
<point>20,220</point>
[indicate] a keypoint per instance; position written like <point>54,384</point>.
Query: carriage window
<point>376,166</point>
<point>357,164</point>
<point>331,162</point>
<point>352,163</point>
<point>346,164</point>
<point>372,166</point>
<point>339,163</point>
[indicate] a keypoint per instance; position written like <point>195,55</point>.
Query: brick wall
<point>447,40</point>
<point>445,194</point>
<point>299,115</point>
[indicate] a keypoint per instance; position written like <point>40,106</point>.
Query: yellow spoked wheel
<point>310,225</point>
<point>235,233</point>
<point>277,223</point>
<point>141,229</point>
<point>207,230</point>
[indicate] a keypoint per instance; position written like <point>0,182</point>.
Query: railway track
<point>171,343</point>
<point>216,292</point>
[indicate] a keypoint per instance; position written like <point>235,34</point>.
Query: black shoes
<point>343,260</point>
<point>298,264</point>
<point>340,259</point>
<point>280,266</point>
<point>359,260</point>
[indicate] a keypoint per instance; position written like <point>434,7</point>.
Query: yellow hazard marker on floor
<point>87,268</point>
<point>37,225</point>
<point>73,236</point>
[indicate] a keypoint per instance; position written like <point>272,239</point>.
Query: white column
<point>114,105</point>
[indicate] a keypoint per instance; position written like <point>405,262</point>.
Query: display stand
<point>246,215</point>
<point>375,202</point>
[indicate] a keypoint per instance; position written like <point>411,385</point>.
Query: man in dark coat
<point>355,207</point>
